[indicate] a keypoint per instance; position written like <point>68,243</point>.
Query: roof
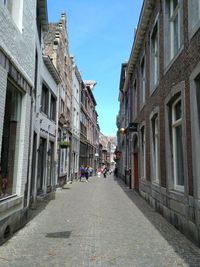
<point>49,64</point>
<point>90,83</point>
<point>143,24</point>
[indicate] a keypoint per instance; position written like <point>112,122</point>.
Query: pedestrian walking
<point>105,172</point>
<point>82,173</point>
<point>87,173</point>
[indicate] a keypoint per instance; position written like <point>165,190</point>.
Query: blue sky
<point>101,35</point>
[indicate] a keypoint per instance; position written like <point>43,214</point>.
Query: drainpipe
<point>56,140</point>
<point>28,185</point>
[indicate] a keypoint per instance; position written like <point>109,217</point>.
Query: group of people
<point>85,173</point>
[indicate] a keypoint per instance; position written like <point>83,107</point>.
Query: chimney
<point>63,17</point>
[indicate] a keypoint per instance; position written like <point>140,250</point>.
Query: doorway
<point>136,176</point>
<point>135,162</point>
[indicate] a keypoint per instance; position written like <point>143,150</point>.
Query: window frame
<point>175,124</point>
<point>16,12</point>
<point>45,99</point>
<point>193,28</point>
<point>143,151</point>
<point>142,81</point>
<point>154,82</point>
<point>195,130</point>
<point>155,159</point>
<point>176,91</point>
<point>169,17</point>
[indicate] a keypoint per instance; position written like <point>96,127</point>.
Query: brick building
<point>56,47</point>
<point>89,129</point>
<point>159,91</point>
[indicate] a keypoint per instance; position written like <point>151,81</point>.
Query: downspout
<point>27,190</point>
<point>56,140</point>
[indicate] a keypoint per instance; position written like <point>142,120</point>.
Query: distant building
<point>56,47</point>
<point>89,138</point>
<point>76,111</point>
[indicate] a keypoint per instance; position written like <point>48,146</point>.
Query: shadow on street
<point>181,245</point>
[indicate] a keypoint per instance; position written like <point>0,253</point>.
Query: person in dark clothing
<point>87,173</point>
<point>82,173</point>
<point>105,172</point>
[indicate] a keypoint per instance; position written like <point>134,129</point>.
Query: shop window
<point>10,142</point>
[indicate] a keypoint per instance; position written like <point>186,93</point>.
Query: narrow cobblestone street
<point>98,224</point>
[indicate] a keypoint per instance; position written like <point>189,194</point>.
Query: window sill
<point>171,62</point>
<point>177,195</point>
<point>10,202</point>
<point>154,89</point>
<point>193,30</point>
<point>156,183</point>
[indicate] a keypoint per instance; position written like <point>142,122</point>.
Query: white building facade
<point>45,115</point>
<point>17,46</point>
<point>75,147</point>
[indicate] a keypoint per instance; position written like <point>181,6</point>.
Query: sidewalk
<point>101,223</point>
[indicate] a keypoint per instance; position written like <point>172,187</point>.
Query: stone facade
<point>162,77</point>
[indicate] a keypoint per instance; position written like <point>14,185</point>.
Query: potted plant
<point>64,144</point>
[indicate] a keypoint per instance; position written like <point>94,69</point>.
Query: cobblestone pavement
<point>101,223</point>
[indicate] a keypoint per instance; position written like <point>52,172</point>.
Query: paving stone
<point>101,223</point>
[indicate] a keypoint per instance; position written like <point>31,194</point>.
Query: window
<point>15,7</point>
<point>53,108</point>
<point>38,21</point>
<point>9,5</point>
<point>143,153</point>
<point>193,14</point>
<point>42,152</point>
<point>142,75</point>
<point>177,145</point>
<point>45,99</point>
<point>197,81</point>
<point>155,148</point>
<point>36,74</point>
<point>10,142</point>
<point>134,99</point>
<point>62,104</point>
<point>154,57</point>
<point>172,28</point>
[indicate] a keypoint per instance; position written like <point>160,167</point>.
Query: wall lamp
<point>132,127</point>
